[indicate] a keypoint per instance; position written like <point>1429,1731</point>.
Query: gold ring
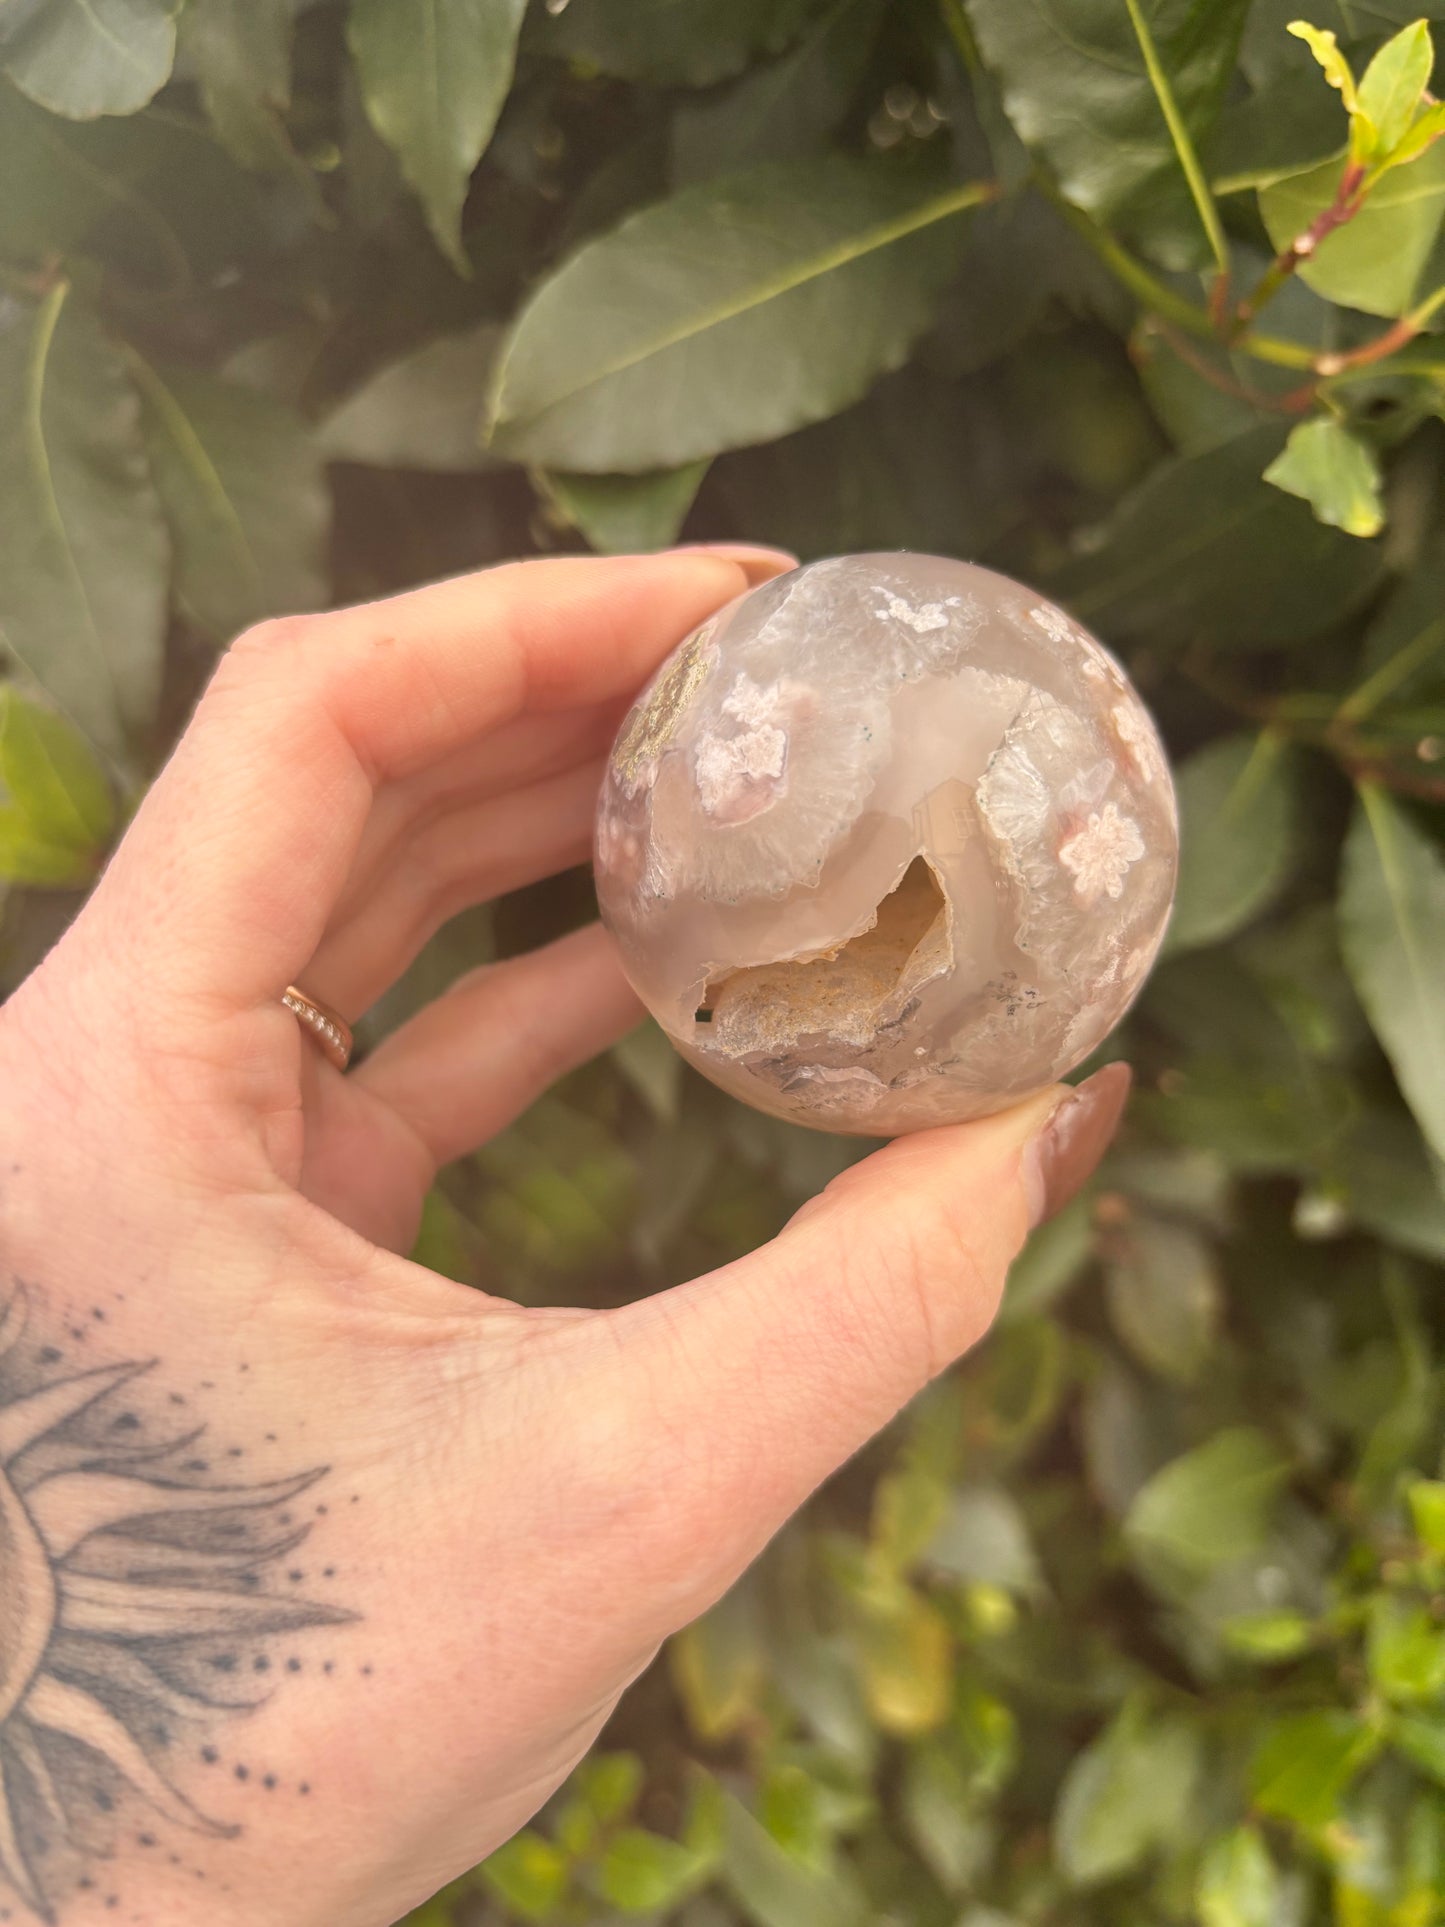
<point>328,1028</point>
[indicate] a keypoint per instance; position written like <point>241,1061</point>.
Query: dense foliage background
<point>1140,1617</point>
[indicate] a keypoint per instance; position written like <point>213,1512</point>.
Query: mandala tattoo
<point>135,1590</point>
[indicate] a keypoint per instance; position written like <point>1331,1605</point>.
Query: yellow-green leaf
<point>1335,472</point>
<point>1326,49</point>
<point>1393,84</point>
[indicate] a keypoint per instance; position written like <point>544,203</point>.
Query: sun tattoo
<point>127,1582</point>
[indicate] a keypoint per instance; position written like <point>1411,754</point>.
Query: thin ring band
<point>327,1028</point>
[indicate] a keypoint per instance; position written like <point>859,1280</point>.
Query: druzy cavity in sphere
<point>888,842</point>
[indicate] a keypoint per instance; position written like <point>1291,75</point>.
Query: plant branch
<point>1183,143</point>
<point>961,33</point>
<point>1227,384</point>
<point>1349,198</point>
<point>1162,300</point>
<point>1365,700</point>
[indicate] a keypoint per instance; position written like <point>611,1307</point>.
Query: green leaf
<point>1125,1795</point>
<point>734,312</point>
<point>83,58</point>
<point>1164,1296</point>
<point>1279,131</point>
<point>610,1783</point>
<point>424,411</point>
<point>1421,1738</point>
<point>786,110</point>
<point>1049,1263</point>
<point>240,51</point>
<point>1392,1185</point>
<point>1393,83</point>
<point>1392,932</point>
<point>984,1539</point>
<point>643,1872</point>
<point>242,487</point>
<point>775,1890</point>
<point>57,810</point>
<point>905,1659</point>
<point>626,514</point>
<point>1376,261</point>
<point>1204,550</point>
<point>670,43</point>
<point>1304,1765</point>
<point>1428,128</point>
<point>83,589</point>
<point>1268,1636</point>
<point>1238,821</point>
<point>941,1812</point>
<point>1404,1648</point>
<point>1076,85</point>
<point>529,1874</point>
<point>1335,472</point>
<point>1239,1885</point>
<point>718,1665</point>
<point>1213,1505</point>
<point>1427,1512</point>
<point>434,76</point>
<point>1324,45</point>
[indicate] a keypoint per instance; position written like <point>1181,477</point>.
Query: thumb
<point>751,1385</point>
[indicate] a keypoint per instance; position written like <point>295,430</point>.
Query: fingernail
<point>1075,1136</point>
<point>758,561</point>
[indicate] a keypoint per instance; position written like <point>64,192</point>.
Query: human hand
<point>517,1506</point>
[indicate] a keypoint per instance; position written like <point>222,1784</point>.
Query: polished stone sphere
<point>888,842</point>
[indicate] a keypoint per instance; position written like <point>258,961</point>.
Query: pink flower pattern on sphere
<point>887,843</point>
<point>1100,854</point>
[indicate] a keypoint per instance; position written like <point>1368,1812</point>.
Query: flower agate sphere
<point>888,842</point>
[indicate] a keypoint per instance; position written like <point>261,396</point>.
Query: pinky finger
<point>466,1065</point>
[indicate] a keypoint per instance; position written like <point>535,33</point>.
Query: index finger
<point>224,881</point>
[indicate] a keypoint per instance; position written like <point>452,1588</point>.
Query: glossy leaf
<point>641,1872</point>
<point>83,590</point>
<point>1392,929</point>
<point>1392,84</point>
<point>775,1890</point>
<point>1377,260</point>
<point>1212,1505</point>
<point>1077,88</point>
<point>1405,1649</point>
<point>1238,822</point>
<point>1335,472</point>
<point>1164,1297</point>
<point>1239,1885</point>
<point>434,76</point>
<point>241,53</point>
<point>1125,1795</point>
<point>984,1538</point>
<point>243,490</point>
<point>83,58</point>
<point>687,43</point>
<point>423,411</point>
<point>943,1817</point>
<point>529,1874</point>
<point>718,1665</point>
<point>1302,1768</point>
<point>626,514</point>
<point>734,312</point>
<point>1205,550</point>
<point>1421,1738</point>
<point>786,110</point>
